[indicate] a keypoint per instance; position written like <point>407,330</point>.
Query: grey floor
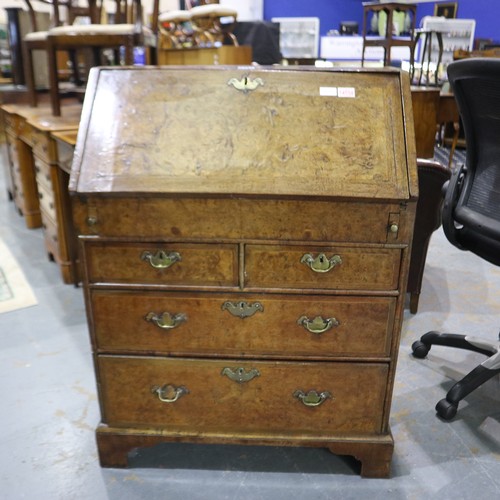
<point>49,409</point>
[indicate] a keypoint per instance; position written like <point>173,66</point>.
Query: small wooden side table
<point>388,40</point>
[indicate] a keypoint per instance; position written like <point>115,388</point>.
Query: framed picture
<point>448,9</point>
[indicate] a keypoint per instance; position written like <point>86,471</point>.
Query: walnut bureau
<point>244,236</point>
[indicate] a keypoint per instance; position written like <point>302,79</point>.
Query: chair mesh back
<point>483,143</point>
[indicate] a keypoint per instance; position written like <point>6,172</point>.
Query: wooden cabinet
<point>39,190</point>
<point>24,189</point>
<point>245,280</point>
<point>52,185</point>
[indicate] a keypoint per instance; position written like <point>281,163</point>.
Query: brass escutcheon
<point>168,393</point>
<point>317,325</point>
<point>312,398</point>
<point>321,263</point>
<point>161,259</point>
<point>239,374</point>
<point>242,309</point>
<point>165,320</point>
<point>245,84</point>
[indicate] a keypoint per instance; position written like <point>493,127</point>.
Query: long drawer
<point>244,325</point>
<point>168,264</point>
<point>242,396</point>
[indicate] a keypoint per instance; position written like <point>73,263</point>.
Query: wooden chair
<point>432,176</point>
<point>37,40</point>
<point>128,32</point>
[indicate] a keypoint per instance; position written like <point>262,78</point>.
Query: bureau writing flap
<point>246,131</point>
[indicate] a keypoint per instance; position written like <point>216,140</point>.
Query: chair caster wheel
<point>446,410</point>
<point>420,350</point>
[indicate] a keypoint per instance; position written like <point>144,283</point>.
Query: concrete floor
<point>49,408</point>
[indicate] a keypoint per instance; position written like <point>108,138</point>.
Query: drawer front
<point>341,267</point>
<point>205,395</point>
<point>43,146</point>
<point>211,324</point>
<point>42,172</point>
<point>239,218</point>
<point>26,132</point>
<point>12,146</point>
<point>46,197</point>
<point>188,264</point>
<point>50,236</point>
<point>12,123</point>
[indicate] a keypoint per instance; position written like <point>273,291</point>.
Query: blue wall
<point>331,12</point>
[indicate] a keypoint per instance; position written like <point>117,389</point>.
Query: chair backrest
<point>55,13</point>
<point>471,215</point>
<point>92,9</point>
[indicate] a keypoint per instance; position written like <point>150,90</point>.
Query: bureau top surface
<point>246,131</point>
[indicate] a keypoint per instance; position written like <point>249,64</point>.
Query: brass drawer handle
<point>242,309</point>
<point>169,393</point>
<point>165,320</point>
<point>246,83</point>
<point>312,398</point>
<point>239,374</point>
<point>161,259</point>
<point>321,263</point>
<point>318,325</point>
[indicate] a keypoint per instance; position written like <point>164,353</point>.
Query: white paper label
<point>337,92</point>
<point>346,92</point>
<point>328,91</point>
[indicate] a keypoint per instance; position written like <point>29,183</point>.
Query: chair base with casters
<point>447,407</point>
<point>471,208</point>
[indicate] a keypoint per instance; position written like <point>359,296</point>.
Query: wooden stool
<point>427,52</point>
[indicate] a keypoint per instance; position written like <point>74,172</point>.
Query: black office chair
<point>471,210</point>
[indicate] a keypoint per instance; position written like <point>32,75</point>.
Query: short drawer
<point>42,173</point>
<point>241,325</point>
<point>12,123</point>
<point>180,264</point>
<point>43,146</point>
<point>50,236</point>
<point>47,204</point>
<point>12,146</point>
<point>235,396</point>
<point>26,132</point>
<point>335,267</point>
